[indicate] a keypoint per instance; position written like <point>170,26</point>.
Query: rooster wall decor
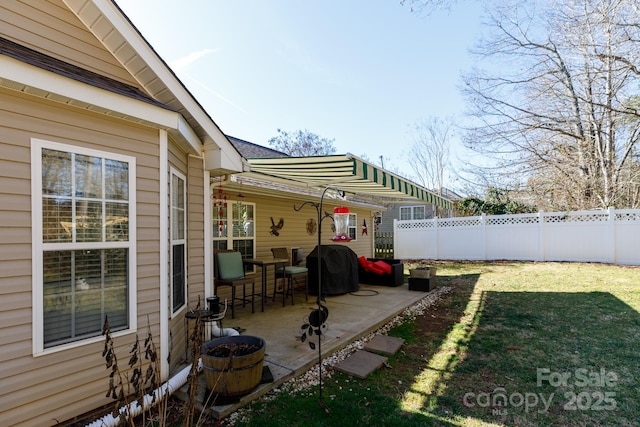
<point>275,228</point>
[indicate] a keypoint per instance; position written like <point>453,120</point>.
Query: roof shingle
<point>49,63</point>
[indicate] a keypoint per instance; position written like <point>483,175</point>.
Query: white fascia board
<point>18,75</point>
<point>216,158</point>
<point>186,132</point>
<point>47,81</point>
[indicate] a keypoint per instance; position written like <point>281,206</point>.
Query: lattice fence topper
<point>460,222</point>
<point>577,217</point>
<point>496,220</point>
<point>416,225</point>
<point>627,215</point>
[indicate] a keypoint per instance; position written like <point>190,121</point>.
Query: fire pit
<point>233,365</point>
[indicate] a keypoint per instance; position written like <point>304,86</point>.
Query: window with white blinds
<point>83,231</point>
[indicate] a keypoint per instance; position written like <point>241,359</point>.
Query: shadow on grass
<point>424,340</point>
<point>543,358</point>
<point>350,401</point>
<point>491,358</point>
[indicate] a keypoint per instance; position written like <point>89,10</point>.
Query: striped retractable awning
<point>349,173</point>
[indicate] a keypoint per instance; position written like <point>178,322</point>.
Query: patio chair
<point>229,271</point>
<point>291,275</point>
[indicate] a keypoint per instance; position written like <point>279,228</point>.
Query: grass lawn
<point>526,344</point>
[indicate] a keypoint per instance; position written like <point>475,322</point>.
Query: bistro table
<point>264,263</point>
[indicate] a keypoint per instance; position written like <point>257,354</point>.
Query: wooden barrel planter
<point>232,365</point>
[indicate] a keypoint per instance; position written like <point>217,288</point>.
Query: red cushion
<point>385,267</point>
<point>364,263</point>
<point>375,268</point>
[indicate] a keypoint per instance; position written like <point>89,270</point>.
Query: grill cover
<point>339,270</point>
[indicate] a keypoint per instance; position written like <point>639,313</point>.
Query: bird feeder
<point>341,221</point>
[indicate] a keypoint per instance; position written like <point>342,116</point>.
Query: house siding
<point>195,223</point>
<point>57,386</point>
<point>386,225</point>
<point>49,27</point>
<point>192,168</point>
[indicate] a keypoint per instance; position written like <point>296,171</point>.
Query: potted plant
<point>233,365</point>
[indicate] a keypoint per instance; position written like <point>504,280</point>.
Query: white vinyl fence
<point>608,236</point>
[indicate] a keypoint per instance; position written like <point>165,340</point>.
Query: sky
<point>359,72</point>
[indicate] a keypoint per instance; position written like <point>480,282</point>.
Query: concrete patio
<point>351,316</point>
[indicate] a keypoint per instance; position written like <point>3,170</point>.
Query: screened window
<point>412,212</point>
<point>178,242</point>
<point>83,228</point>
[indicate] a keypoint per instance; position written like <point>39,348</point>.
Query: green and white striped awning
<point>349,173</point>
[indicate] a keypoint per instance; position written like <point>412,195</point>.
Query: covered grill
<point>339,270</point>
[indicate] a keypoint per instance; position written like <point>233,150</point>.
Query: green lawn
<point>526,344</point>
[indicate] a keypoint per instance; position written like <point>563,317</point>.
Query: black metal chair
<point>291,275</point>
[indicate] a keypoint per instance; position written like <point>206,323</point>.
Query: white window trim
<point>353,227</point>
<point>172,242</point>
<point>38,247</point>
<point>230,239</point>
<point>411,209</point>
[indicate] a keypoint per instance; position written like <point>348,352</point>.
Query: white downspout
<point>134,409</point>
<point>224,332</point>
<point>164,254</point>
<point>208,238</point>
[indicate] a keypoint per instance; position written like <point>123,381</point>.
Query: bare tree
<point>428,6</point>
<point>302,143</point>
<point>556,105</point>
<point>385,162</point>
<point>429,152</point>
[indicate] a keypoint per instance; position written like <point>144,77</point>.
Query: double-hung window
<point>178,242</point>
<point>412,212</point>
<point>83,208</point>
<point>352,228</point>
<point>233,227</point>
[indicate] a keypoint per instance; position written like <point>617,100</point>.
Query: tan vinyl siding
<point>294,233</point>
<point>48,26</point>
<point>193,169</point>
<point>195,229</point>
<point>34,387</point>
<point>177,158</point>
<point>195,245</point>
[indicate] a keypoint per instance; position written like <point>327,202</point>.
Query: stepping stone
<point>360,364</point>
<point>383,344</point>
